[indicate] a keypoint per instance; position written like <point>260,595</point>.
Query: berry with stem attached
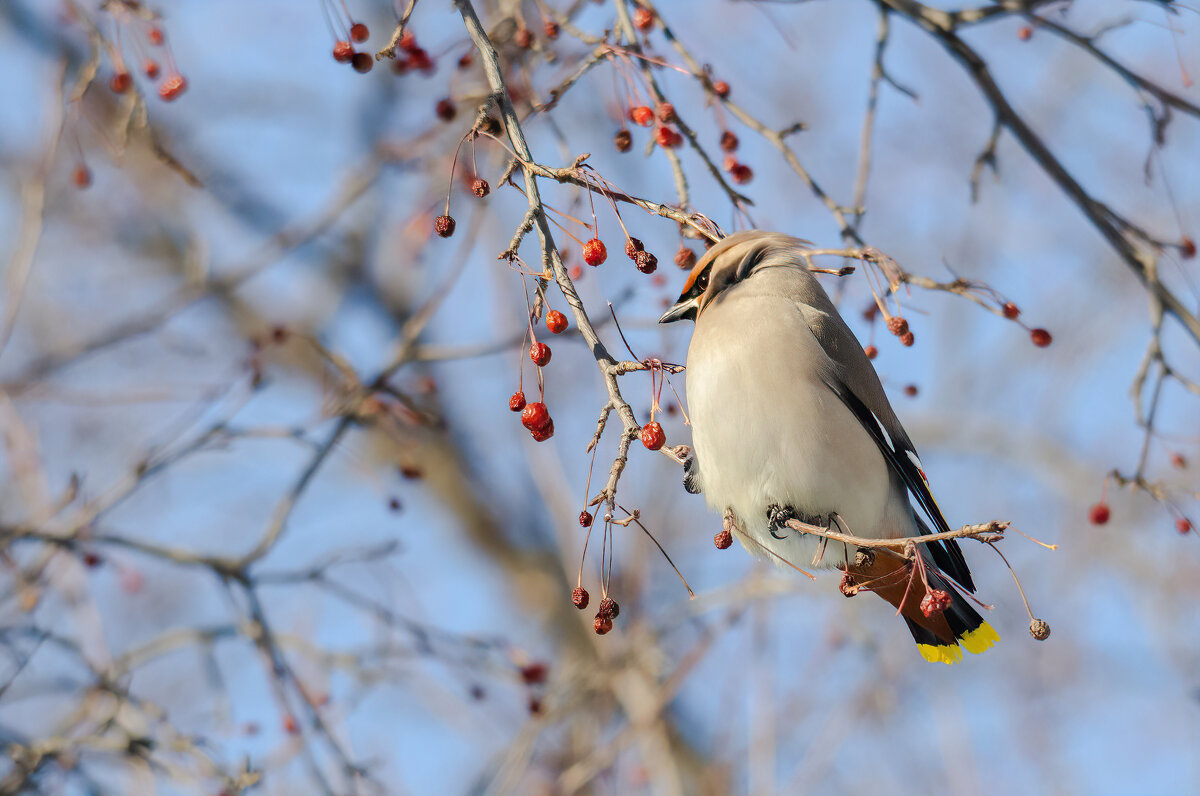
<point>517,402</point>
<point>556,322</point>
<point>540,354</point>
<point>594,252</point>
<point>653,436</point>
<point>359,32</point>
<point>1040,337</point>
<point>443,226</point>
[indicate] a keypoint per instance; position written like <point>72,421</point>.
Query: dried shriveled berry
<point>907,339</point>
<point>1039,629</point>
<point>729,141</point>
<point>120,82</point>
<point>741,173</point>
<point>445,109</point>
<point>594,252</point>
<point>723,539</point>
<point>556,322</point>
<point>641,115</point>
<point>580,597</point>
<point>685,258</point>
<point>585,520</point>
<point>897,325</point>
<point>517,402</point>
<point>647,263</point>
<point>666,113</point>
<point>359,32</point>
<point>935,601</point>
<point>552,29</point>
<point>1183,525</point>
<point>1010,310</point>
<point>362,63</point>
<point>1040,337</point>
<point>643,19</point>
<point>81,176</point>
<point>443,226</point>
<point>602,625</point>
<point>608,607</point>
<point>544,433</point>
<point>667,138</point>
<point>172,87</point>
<point>721,89</point>
<point>1099,513</point>
<point>343,51</point>
<point>540,354</point>
<point>535,415</point>
<point>653,436</point>
<point>524,38</point>
<point>1187,248</point>
<point>871,352</point>
<point>623,140</point>
<point>632,247</point>
<point>480,187</point>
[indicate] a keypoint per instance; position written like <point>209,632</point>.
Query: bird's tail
<point>941,630</point>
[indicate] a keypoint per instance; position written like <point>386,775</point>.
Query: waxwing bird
<point>789,419</point>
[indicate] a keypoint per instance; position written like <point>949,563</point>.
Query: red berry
<point>1010,310</point>
<point>632,247</point>
<point>608,607</point>
<point>1099,513</point>
<point>602,625</point>
<point>517,402</point>
<point>445,109</point>
<point>465,61</point>
<point>524,38</point>
<point>642,115</point>
<point>290,725</point>
<point>871,352</point>
<point>540,354</point>
<point>534,673</point>
<point>723,539</point>
<point>580,597</point>
<point>556,322</point>
<point>1178,462</point>
<point>730,162</point>
<point>666,113</point>
<point>155,36</point>
<point>544,433</point>
<point>576,272</point>
<point>359,32</point>
<point>172,87</point>
<point>623,140</point>
<point>1187,248</point>
<point>870,313</point>
<point>685,258</point>
<point>535,415</point>
<point>1024,33</point>
<point>551,28</point>
<point>585,519</point>
<point>653,436</point>
<point>729,141</point>
<point>343,51</point>
<point>667,138</point>
<point>910,390</point>
<point>410,472</point>
<point>936,601</point>
<point>646,262</point>
<point>643,19</point>
<point>907,339</point>
<point>362,63</point>
<point>443,226</point>
<point>92,559</point>
<point>721,89</point>
<point>419,59</point>
<point>81,176</point>
<point>897,326</point>
<point>594,252</point>
<point>480,187</point>
<point>408,42</point>
<point>741,173</point>
<point>1040,337</point>
<point>1183,525</point>
<point>120,82</point>
<point>151,68</point>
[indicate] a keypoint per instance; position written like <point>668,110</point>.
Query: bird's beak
<point>684,309</point>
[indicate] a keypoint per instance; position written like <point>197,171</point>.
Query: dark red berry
<point>667,138</point>
<point>359,32</point>
<point>936,601</point>
<point>556,322</point>
<point>632,247</point>
<point>666,113</point>
<point>741,174</point>
<point>907,339</point>
<point>1010,310</point>
<point>1099,513</point>
<point>92,559</point>
<point>524,38</point>
<point>445,109</point>
<point>535,415</point>
<point>517,402</point>
<point>81,176</point>
<point>653,436</point>
<point>362,63</point>
<point>155,36</point>
<point>343,51</point>
<point>871,352</point>
<point>172,87</point>
<point>120,82</point>
<point>623,140</point>
<point>544,433</point>
<point>646,262</point>
<point>1183,525</point>
<point>897,325</point>
<point>643,19</point>
<point>721,89</point>
<point>1040,337</point>
<point>685,258</point>
<point>723,539</point>
<point>394,504</point>
<point>443,226</point>
<point>602,625</point>
<point>580,597</point>
<point>1187,248</point>
<point>608,607</point>
<point>410,472</point>
<point>585,519</point>
<point>729,141</point>
<point>540,354</point>
<point>534,673</point>
<point>594,252</point>
<point>910,390</point>
<point>551,28</point>
<point>151,69</point>
<point>642,115</point>
<point>480,187</point>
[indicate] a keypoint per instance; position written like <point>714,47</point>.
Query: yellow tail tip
<point>941,653</point>
<point>980,639</point>
<point>975,641</point>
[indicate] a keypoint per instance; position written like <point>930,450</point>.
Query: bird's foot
<point>777,517</point>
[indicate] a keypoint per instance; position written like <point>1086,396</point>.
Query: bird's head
<point>730,261</point>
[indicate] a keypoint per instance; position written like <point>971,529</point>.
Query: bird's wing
<point>852,378</point>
